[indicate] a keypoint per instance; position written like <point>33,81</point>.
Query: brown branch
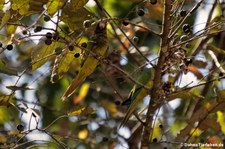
<point>155,95</point>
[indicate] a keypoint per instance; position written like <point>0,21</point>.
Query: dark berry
<point>165,147</point>
<point>135,39</point>
<point>188,45</point>
<point>47,18</point>
<point>48,35</point>
<point>161,126</point>
<point>55,77</point>
<point>183,13</point>
<point>87,23</point>
<point>71,47</point>
<point>20,127</point>
<point>84,45</point>
<point>9,47</point>
<point>76,55</point>
<point>153,2</point>
<point>24,32</point>
<point>48,41</point>
<point>141,12</point>
<point>186,28</point>
<point>58,50</point>
<point>38,29</point>
<point>0,44</point>
<point>221,74</point>
<point>105,139</point>
<point>155,140</point>
<point>125,22</point>
<point>56,36</point>
<point>117,102</point>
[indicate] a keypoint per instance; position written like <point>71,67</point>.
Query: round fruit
<point>117,102</point>
<point>186,28</point>
<point>71,47</point>
<point>55,77</point>
<point>48,35</point>
<point>76,55</point>
<point>84,45</point>
<point>87,23</point>
<point>47,18</point>
<point>153,2</point>
<point>135,39</point>
<point>48,41</point>
<point>24,32</point>
<point>183,13</point>
<point>38,29</point>
<point>155,140</point>
<point>58,50</point>
<point>125,22</point>
<point>20,127</point>
<point>9,47</point>
<point>141,12</point>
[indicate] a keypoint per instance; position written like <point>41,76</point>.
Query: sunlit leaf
<point>78,4</point>
<point>75,18</point>
<point>27,7</point>
<point>63,62</point>
<point>82,93</point>
<point>2,4</point>
<point>83,134</point>
<point>195,132</point>
<point>6,69</point>
<point>54,5</point>
<point>81,111</point>
<point>5,19</point>
<point>41,52</point>
<point>221,120</point>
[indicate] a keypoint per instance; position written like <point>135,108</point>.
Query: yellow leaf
<point>207,105</point>
<point>81,111</point>
<point>5,19</point>
<point>196,132</point>
<point>109,106</point>
<point>84,90</point>
<point>221,120</point>
<point>83,134</point>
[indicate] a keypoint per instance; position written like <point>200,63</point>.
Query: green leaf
<point>27,7</point>
<point>215,49</point>
<point>221,120</point>
<point>63,62</point>
<point>2,4</point>
<point>80,110</point>
<point>54,5</point>
<point>5,19</point>
<point>78,4</point>
<point>75,17</point>
<point>41,52</point>
<point>6,69</point>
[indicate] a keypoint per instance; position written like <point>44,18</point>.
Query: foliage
<point>110,74</point>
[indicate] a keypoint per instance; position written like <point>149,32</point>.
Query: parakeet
<point>97,51</point>
<point>137,93</point>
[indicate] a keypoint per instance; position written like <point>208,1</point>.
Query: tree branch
<point>155,95</point>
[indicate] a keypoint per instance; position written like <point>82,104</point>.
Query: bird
<point>137,94</point>
<point>97,52</point>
